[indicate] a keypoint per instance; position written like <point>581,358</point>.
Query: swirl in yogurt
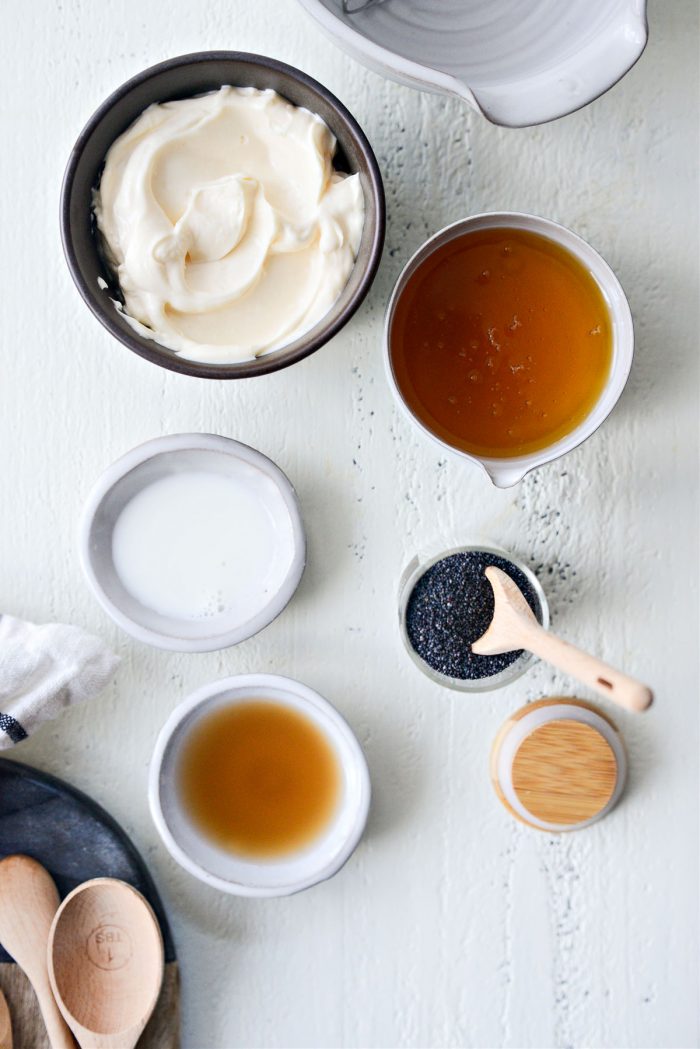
<point>227,227</point>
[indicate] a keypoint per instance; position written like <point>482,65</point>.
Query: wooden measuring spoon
<point>514,626</point>
<point>28,902</point>
<point>5,1024</point>
<point>105,959</point>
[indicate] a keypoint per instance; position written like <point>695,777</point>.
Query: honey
<point>501,342</point>
<point>259,779</point>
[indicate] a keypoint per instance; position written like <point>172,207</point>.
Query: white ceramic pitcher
<point>518,62</point>
<point>505,472</point>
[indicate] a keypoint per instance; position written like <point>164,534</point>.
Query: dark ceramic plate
<point>71,835</point>
<point>184,77</point>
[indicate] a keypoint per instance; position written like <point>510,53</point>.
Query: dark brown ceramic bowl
<point>184,77</point>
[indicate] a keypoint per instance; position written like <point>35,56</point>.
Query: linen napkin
<point>43,670</point>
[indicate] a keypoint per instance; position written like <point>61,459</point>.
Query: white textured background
<point>452,925</point>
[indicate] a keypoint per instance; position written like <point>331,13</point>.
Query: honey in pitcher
<point>259,778</point>
<point>501,342</point>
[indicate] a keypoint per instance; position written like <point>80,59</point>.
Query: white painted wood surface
<point>451,926</point>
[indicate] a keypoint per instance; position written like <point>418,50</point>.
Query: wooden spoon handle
<point>5,1024</point>
<point>619,687</point>
<point>59,1032</point>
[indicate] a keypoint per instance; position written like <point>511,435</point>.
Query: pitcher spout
<point>505,476</point>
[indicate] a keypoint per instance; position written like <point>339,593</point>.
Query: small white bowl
<point>507,471</point>
<point>128,476</point>
<point>225,870</point>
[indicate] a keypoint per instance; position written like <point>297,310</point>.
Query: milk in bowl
<point>193,542</point>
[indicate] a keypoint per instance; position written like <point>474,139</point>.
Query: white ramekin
<point>130,474</point>
<point>505,472</point>
<point>222,869</point>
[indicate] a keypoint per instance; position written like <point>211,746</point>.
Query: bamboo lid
<point>558,764</point>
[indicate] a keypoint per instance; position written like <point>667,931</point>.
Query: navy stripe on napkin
<point>12,727</point>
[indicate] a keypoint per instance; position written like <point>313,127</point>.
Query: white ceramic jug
<point>507,471</point>
<point>519,62</point>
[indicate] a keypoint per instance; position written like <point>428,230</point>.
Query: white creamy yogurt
<point>228,229</point>
<point>198,545</point>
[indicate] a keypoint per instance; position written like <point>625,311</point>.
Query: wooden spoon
<point>28,902</point>
<point>514,626</point>
<point>105,959</point>
<point>5,1024</point>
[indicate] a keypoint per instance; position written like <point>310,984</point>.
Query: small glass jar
<point>417,568</point>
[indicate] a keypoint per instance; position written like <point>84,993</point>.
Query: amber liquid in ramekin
<point>259,778</point>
